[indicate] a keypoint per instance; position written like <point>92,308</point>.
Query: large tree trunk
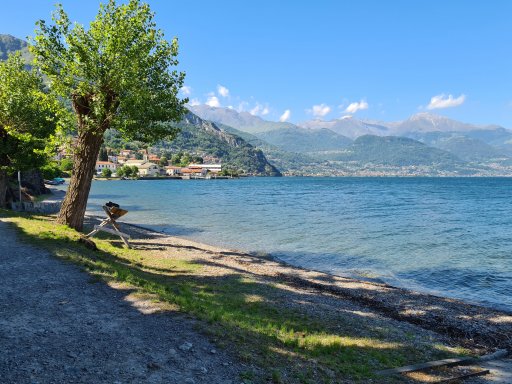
<point>86,153</point>
<point>3,188</point>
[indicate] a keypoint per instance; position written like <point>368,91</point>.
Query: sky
<point>300,60</point>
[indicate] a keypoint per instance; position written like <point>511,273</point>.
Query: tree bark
<point>73,207</point>
<point>3,188</point>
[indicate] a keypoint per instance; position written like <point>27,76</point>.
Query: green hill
<point>9,44</point>
<point>203,138</point>
<point>462,145</point>
<point>289,162</point>
<point>396,151</point>
<point>305,140</point>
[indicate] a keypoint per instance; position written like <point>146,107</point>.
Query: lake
<point>447,236</point>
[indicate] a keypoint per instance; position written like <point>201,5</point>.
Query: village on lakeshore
<point>142,164</point>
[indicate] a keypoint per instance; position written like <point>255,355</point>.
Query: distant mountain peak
<point>241,120</point>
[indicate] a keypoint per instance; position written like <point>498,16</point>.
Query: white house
<point>135,162</point>
<point>101,165</point>
<point>172,170</point>
<point>214,168</point>
<point>148,169</point>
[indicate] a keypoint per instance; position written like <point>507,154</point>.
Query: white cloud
<point>222,91</point>
<point>356,106</point>
<point>285,116</point>
<point>255,110</point>
<point>443,101</point>
<point>259,110</point>
<point>213,101</point>
<point>186,90</point>
<point>346,117</point>
<point>194,102</point>
<point>319,110</point>
<point>242,106</point>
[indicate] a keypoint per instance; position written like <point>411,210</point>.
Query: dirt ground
<point>59,326</point>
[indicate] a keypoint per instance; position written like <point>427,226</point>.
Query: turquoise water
<point>450,236</point>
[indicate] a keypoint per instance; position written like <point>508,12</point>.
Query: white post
<point>19,186</point>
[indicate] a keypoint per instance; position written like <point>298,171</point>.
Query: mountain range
<point>450,146</point>
<point>424,144</point>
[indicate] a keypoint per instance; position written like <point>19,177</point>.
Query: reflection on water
<point>439,234</point>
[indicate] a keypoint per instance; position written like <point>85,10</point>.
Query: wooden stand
<point>113,213</point>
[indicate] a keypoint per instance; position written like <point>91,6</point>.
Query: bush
<point>51,171</point>
<point>66,164</point>
<point>105,172</point>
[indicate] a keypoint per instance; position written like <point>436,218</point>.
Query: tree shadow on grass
<point>248,316</point>
<point>481,329</point>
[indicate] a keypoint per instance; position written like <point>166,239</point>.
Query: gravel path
<point>59,326</point>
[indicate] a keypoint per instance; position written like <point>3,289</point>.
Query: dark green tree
<point>106,172</point>
<point>27,120</point>
<point>66,164</point>
<point>176,159</point>
<point>124,171</point>
<point>103,154</point>
<point>163,161</point>
<point>119,73</point>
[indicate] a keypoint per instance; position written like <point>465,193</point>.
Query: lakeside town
<point>141,164</point>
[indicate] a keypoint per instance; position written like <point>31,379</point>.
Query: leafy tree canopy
<point>28,118</point>
<point>116,73</point>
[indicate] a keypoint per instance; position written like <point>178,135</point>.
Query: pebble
<point>186,346</point>
<point>190,381</point>
<point>213,351</point>
<point>153,365</point>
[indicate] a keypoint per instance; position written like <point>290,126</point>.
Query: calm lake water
<point>450,236</point>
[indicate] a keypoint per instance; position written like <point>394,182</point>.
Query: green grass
<point>240,314</point>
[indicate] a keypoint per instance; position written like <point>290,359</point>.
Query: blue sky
<point>383,60</point>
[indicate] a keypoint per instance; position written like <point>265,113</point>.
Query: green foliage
<point>66,164</point>
<point>103,154</point>
<point>163,161</point>
<point>50,171</point>
<point>139,156</point>
<point>27,117</point>
<point>229,172</point>
<point>127,171</point>
<point>124,171</point>
<point>176,159</point>
<point>106,172</point>
<point>116,73</point>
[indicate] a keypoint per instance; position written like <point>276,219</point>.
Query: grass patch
<point>241,314</point>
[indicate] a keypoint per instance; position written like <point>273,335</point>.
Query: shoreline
<point>479,328</point>
<point>350,276</point>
